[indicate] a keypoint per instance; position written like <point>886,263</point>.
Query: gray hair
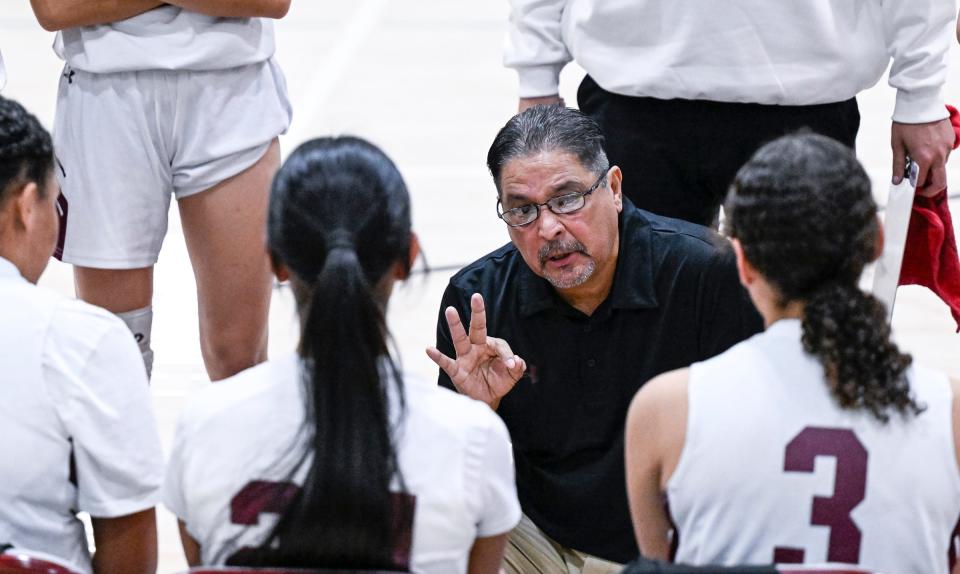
<point>548,128</point>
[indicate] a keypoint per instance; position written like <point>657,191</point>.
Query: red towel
<point>930,258</point>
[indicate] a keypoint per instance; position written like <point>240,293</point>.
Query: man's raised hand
<point>485,368</point>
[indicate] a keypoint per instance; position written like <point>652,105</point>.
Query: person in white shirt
<point>332,457</point>
<point>686,91</point>
<point>3,73</point>
<point>77,431</point>
<point>817,440</point>
<point>161,99</point>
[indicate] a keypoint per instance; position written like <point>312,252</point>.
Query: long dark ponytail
<point>339,220</point>
<point>804,214</point>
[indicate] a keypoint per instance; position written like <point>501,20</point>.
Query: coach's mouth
<point>562,259</point>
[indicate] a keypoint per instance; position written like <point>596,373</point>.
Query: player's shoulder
<point>270,389</point>
<point>665,392</point>
<point>81,324</point>
<point>932,384</point>
<point>749,355</point>
<point>446,411</point>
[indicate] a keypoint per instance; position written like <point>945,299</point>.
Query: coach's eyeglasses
<point>560,205</point>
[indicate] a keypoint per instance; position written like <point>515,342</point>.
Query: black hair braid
<point>26,150</point>
<point>806,220</point>
<point>847,329</point>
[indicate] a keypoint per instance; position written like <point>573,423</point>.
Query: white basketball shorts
<point>125,142</point>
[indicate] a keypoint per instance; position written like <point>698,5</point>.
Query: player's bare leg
<point>116,290</point>
<point>126,293</point>
<point>225,230</point>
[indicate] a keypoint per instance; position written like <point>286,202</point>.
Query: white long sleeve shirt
<point>801,52</point>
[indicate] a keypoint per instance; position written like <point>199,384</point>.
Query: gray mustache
<point>555,248</point>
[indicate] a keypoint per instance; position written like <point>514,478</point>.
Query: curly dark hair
<point>803,212</point>
<point>26,150</point>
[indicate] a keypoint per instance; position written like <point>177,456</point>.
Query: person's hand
<point>485,368</point>
<point>547,100</point>
<point>927,144</point>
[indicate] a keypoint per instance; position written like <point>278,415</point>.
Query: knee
<point>226,352</point>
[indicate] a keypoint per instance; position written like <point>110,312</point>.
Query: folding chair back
<point>238,570</point>
<point>823,569</point>
<point>17,561</point>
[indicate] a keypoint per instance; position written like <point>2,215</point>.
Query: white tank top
<point>773,470</point>
<point>167,38</point>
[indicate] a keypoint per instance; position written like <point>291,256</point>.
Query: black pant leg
<point>646,139</point>
<point>734,132</point>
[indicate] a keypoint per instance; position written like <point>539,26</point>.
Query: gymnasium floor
<point>423,79</point>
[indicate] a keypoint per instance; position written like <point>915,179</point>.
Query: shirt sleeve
<point>535,47</point>
<point>95,371</point>
<point>499,506</point>
<point>451,298</point>
<point>727,315</point>
<point>918,33</point>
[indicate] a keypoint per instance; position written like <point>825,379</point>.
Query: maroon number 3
<point>850,485</point>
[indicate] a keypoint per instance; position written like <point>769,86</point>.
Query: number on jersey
<point>262,497</point>
<point>850,485</point>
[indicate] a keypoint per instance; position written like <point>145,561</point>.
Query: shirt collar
<point>632,281</point>
<point>785,327</point>
<point>9,271</point>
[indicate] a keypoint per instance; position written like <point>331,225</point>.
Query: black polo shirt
<point>675,300</point>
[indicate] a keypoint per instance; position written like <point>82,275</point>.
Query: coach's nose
<point>549,225</point>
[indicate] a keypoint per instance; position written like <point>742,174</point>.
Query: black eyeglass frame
<point>547,203</point>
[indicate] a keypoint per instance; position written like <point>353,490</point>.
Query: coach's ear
<point>745,270</point>
<point>616,181</point>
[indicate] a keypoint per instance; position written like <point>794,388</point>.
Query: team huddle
<point>621,386</point>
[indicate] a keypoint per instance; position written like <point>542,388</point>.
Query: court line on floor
<point>310,108</point>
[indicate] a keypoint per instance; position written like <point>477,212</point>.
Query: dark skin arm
<point>56,15</point>
<point>486,556</point>
<point>126,543</point>
<point>191,548</point>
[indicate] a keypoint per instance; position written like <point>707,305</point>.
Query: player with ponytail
<point>77,431</point>
<point>364,468</point>
<point>733,442</point>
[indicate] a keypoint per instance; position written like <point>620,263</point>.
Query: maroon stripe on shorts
<point>62,209</point>
<point>954,538</point>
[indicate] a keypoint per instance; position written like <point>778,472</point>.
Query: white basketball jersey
<point>772,470</point>
<point>167,38</point>
<point>235,441</point>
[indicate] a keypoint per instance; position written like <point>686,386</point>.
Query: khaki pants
<point>530,551</point>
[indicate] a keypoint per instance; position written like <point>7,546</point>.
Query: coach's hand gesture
<point>485,368</point>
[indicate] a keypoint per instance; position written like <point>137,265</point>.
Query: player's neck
<point>20,257</point>
<point>774,313</point>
